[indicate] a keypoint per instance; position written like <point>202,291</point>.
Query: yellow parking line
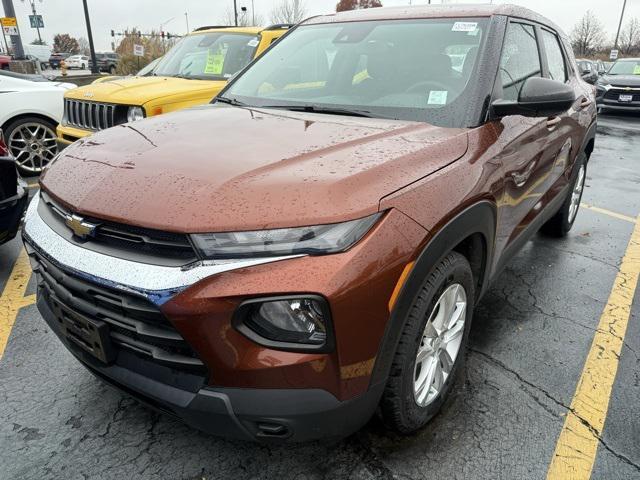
<point>578,443</point>
<point>604,211</point>
<point>13,299</point>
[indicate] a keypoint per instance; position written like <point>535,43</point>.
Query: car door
<point>526,166</point>
<point>564,141</point>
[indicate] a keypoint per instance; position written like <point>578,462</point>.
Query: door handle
<point>585,103</point>
<point>552,122</point>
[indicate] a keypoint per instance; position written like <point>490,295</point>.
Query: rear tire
<point>112,70</point>
<point>447,292</point>
<point>560,224</point>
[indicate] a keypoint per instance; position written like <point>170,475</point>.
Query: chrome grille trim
<point>92,116</point>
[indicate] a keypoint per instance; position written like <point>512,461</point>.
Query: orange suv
<point>311,246</point>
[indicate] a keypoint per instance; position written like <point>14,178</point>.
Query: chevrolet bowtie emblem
<point>80,227</point>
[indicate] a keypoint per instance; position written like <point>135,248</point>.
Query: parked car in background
<point>107,62</point>
<point>40,53</point>
<point>588,70</point>
<point>310,248</point>
<point>13,195</point>
<point>5,60</point>
<point>145,71</point>
<point>619,88</point>
<point>56,58</point>
<point>191,73</point>
<point>29,113</point>
<point>77,61</point>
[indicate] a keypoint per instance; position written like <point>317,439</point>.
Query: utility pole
<point>186,16</point>
<point>253,12</point>
<point>16,41</point>
<point>235,11</point>
<point>35,14</point>
<point>94,62</point>
<point>615,44</point>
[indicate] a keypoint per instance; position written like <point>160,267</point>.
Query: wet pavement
<point>530,339</point>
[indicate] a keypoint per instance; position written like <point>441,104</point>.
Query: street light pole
<point>94,62</point>
<point>615,44</point>
<point>235,11</point>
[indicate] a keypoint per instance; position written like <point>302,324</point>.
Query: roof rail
<point>279,26</point>
<point>210,27</point>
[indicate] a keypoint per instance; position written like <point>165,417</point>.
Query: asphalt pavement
<point>531,340</point>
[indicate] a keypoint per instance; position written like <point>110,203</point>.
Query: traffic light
<point>113,33</point>
<point>162,35</point>
<point>168,36</point>
<point>139,34</point>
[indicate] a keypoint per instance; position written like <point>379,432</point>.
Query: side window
<point>555,59</point>
<point>520,59</point>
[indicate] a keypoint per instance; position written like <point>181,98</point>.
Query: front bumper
<point>12,212</point>
<point>296,415</point>
<point>609,99</point>
<point>67,135</point>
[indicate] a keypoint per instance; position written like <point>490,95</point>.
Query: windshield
<point>208,56</point>
<point>400,69</point>
<point>625,67</point>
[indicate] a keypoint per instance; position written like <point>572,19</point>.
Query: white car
<point>30,109</point>
<point>77,61</point>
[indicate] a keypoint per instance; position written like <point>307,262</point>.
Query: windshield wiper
<point>319,109</point>
<point>230,101</point>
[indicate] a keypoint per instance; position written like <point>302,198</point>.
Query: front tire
<point>431,349</point>
<point>32,142</point>
<point>561,223</point>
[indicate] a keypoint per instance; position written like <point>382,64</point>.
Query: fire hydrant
<point>63,68</point>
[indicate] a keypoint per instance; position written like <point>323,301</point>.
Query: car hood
<point>140,90</point>
<point>621,80</point>
<point>218,168</point>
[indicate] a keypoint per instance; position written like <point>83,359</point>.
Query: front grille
<point>135,325</point>
<point>124,241</point>
<point>613,94</point>
<point>91,115</point>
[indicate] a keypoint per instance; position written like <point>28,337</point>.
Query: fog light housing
<point>300,322</point>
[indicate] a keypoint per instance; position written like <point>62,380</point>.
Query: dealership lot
<point>531,337</point>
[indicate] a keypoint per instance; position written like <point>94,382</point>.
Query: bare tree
<point>587,35</point>
<point>83,46</point>
<point>629,41</point>
<point>289,11</point>
<point>357,4</point>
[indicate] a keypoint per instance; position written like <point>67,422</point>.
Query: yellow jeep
<point>191,73</point>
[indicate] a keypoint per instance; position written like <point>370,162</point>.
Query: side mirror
<point>539,97</point>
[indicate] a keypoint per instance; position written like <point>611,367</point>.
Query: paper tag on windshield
<point>253,42</point>
<point>464,26</point>
<point>636,70</point>
<point>437,97</point>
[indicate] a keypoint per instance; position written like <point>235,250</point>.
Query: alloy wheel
<point>576,195</point>
<point>33,145</point>
<point>440,344</point>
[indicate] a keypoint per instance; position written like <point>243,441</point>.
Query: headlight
<point>134,114</point>
<point>292,322</point>
<point>317,240</point>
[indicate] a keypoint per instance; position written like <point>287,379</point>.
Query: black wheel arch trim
<point>479,218</point>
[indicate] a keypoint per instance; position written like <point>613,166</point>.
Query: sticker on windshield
<point>636,70</point>
<point>464,26</point>
<point>214,64</point>
<point>437,97</point>
<point>253,42</point>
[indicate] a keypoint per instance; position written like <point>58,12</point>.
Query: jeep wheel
<point>112,70</point>
<point>431,348</point>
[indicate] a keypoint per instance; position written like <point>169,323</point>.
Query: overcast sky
<point>66,16</point>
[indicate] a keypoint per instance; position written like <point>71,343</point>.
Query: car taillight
<point>4,151</point>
